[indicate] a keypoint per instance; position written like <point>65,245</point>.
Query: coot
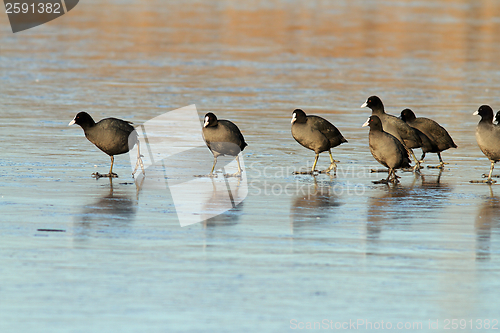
<point>488,137</point>
<point>395,126</point>
<point>439,137</point>
<point>317,134</point>
<point>497,118</point>
<point>111,135</point>
<point>386,149</point>
<point>223,137</point>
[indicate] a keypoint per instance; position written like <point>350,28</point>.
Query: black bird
<point>111,135</point>
<point>223,137</point>
<point>395,126</point>
<point>488,137</point>
<point>439,137</point>
<point>386,149</point>
<point>317,134</point>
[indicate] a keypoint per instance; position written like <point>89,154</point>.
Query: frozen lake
<point>85,255</point>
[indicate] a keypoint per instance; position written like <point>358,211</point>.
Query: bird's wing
<point>324,126</point>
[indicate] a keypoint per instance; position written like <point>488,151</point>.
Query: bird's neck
<point>378,110</point>
<point>88,125</point>
<point>486,120</point>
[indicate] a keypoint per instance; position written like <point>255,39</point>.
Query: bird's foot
<point>332,166</point>
<point>486,181</point>
<point>304,172</point>
<point>395,179</point>
<point>143,173</point>
<point>98,175</point>
<point>382,181</point>
<point>439,166</point>
<point>236,174</point>
<point>139,163</point>
<point>378,170</point>
<point>210,175</point>
<point>492,176</point>
<point>415,169</point>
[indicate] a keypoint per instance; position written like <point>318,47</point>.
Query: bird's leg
<point>139,161</point>
<point>97,175</point>
<point>332,164</point>
<point>491,175</point>
<point>441,163</point>
<point>211,174</point>
<point>112,162</point>
<point>314,164</point>
<point>239,167</point>
<point>489,180</point>
<point>422,158</point>
<point>308,172</point>
<point>111,173</point>
<point>394,178</point>
<point>237,174</point>
<point>417,166</point>
<point>389,177</point>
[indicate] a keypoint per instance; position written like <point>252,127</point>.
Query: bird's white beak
<point>364,105</point>
<point>294,118</point>
<point>205,124</point>
<point>476,113</point>
<point>72,122</point>
<point>366,122</point>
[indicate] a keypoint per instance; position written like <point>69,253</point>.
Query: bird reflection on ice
<point>487,219</point>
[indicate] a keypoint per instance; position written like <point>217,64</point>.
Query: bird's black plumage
<point>386,148</point>
<point>439,137</point>
<point>393,124</point>
<point>113,136</point>
<point>316,133</point>
<point>222,137</point>
<point>488,136</point>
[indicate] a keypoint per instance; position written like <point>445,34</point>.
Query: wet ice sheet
<point>297,247</point>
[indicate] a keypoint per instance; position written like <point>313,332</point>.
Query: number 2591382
<point>40,8</point>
